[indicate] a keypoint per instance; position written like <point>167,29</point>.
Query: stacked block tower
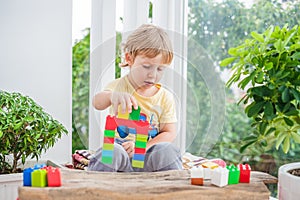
<point>127,123</point>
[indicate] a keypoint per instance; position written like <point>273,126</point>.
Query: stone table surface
<point>87,185</point>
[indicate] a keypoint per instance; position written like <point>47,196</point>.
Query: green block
<point>140,144</point>
<point>39,178</point>
<point>107,160</point>
<point>109,133</point>
<point>141,138</point>
<point>108,146</point>
<point>137,164</point>
<point>233,175</point>
<point>135,114</point>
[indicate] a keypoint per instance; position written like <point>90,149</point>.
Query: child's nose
<point>152,73</point>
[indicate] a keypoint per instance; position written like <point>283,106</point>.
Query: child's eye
<point>160,69</point>
<point>146,66</point>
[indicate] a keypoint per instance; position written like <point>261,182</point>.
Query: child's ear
<point>128,59</point>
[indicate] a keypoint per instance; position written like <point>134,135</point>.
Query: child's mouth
<point>149,83</point>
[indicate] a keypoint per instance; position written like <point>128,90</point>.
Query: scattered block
<point>244,173</point>
<point>208,167</point>
<point>197,175</point>
<point>42,176</point>
<point>39,178</point>
<point>219,177</point>
<point>27,176</point>
<point>54,177</point>
<point>234,175</point>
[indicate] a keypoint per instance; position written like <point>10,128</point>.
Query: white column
<point>102,65</point>
<point>172,16</point>
<point>136,13</point>
<point>36,60</point>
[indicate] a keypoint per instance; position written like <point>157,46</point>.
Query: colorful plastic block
<point>122,115</point>
<point>27,176</point>
<point>39,178</point>
<point>126,124</point>
<point>244,173</point>
<point>135,114</point>
<point>219,177</point>
<point>234,175</point>
<point>54,177</point>
<point>197,175</point>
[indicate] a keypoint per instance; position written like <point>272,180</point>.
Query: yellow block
<point>123,115</point>
<point>137,164</point>
<point>141,138</point>
<point>210,165</point>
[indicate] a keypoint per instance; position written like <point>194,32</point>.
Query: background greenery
<point>215,26</point>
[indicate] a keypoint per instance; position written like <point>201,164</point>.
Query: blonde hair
<point>149,40</point>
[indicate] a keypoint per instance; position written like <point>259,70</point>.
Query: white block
<point>197,172</point>
<point>219,177</point>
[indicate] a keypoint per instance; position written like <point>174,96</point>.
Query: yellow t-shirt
<point>159,108</point>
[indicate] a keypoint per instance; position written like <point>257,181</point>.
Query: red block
<point>54,177</point>
<point>110,123</point>
<point>244,173</point>
<point>108,140</point>
<point>140,150</point>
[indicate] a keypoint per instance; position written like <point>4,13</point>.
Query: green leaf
<point>242,149</point>
<point>285,95</point>
<point>268,66</point>
<point>1,133</point>
<point>296,56</point>
<point>296,137</point>
<point>288,121</point>
<point>278,45</point>
<point>255,108</point>
<point>292,113</point>
<point>296,94</point>
<point>279,140</point>
<point>257,36</point>
<point>227,61</point>
<point>286,145</point>
<point>260,77</point>
<point>269,110</point>
<point>262,127</point>
<point>270,131</point>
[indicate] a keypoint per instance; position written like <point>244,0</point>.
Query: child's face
<point>145,72</point>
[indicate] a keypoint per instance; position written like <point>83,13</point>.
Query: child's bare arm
<point>167,134</point>
<point>104,99</point>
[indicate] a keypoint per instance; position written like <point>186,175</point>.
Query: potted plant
<point>26,130</point>
<point>268,67</point>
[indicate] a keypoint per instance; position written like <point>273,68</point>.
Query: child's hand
<point>124,99</point>
<point>129,147</point>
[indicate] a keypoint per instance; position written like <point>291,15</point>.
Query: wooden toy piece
<point>234,175</point>
<point>197,175</point>
<point>244,173</point>
<point>27,176</point>
<point>219,177</point>
<point>54,177</point>
<point>39,178</point>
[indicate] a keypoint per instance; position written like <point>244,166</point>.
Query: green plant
<point>25,130</point>
<point>268,65</point>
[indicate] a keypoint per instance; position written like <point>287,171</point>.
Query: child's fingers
<point>134,102</point>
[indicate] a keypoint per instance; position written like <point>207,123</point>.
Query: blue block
<point>39,166</point>
<point>153,132</point>
<point>123,131</point>
<point>132,130</point>
<point>27,176</point>
<point>107,153</point>
<point>140,157</point>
